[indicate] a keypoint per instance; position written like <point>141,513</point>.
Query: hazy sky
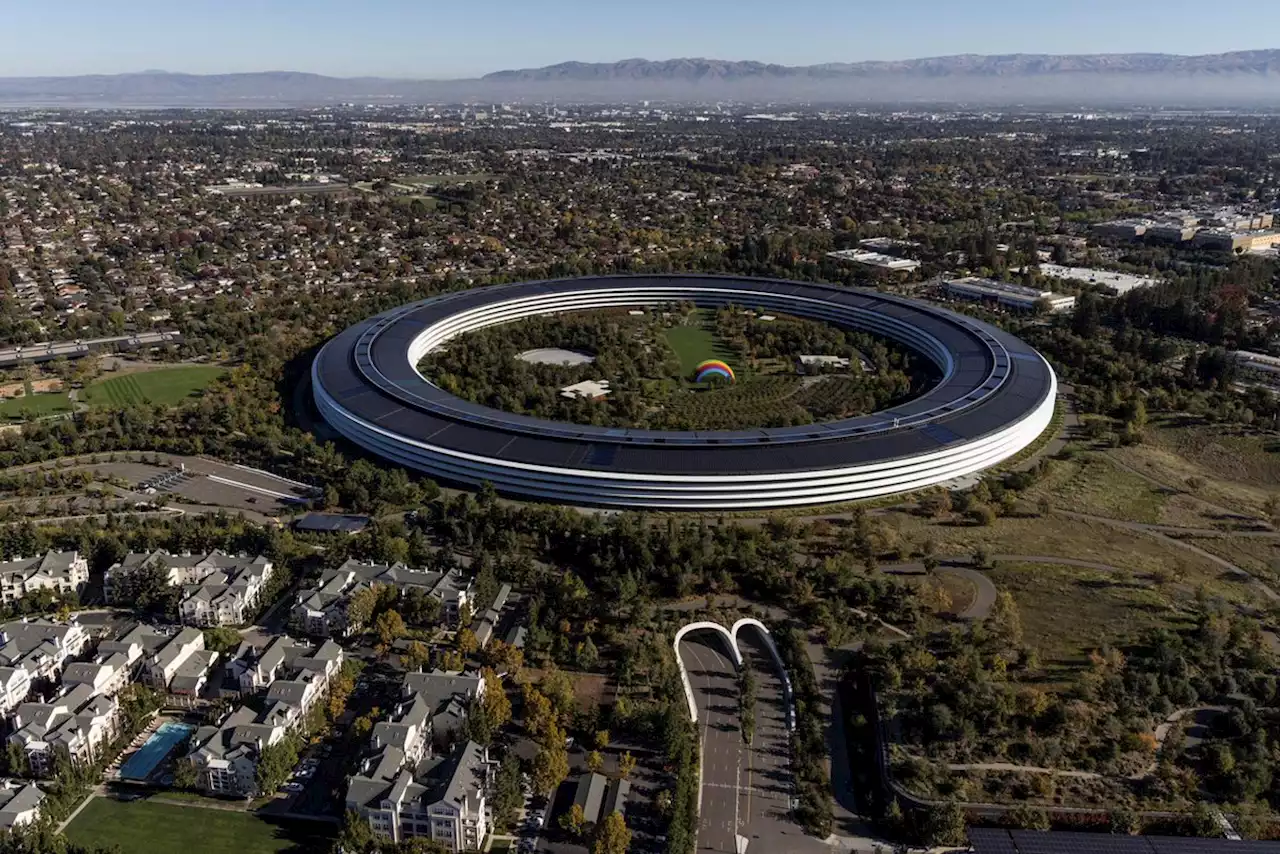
<point>438,39</point>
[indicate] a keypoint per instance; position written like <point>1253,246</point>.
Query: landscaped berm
<point>164,386</point>
<point>144,827</point>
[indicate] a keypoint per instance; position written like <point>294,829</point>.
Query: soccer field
<point>143,827</point>
<point>164,386</point>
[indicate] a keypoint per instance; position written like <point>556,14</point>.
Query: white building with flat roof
<point>590,389</point>
<point>1008,294</point>
<point>875,259</point>
<point>1119,283</point>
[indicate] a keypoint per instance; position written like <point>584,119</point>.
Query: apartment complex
<point>79,721</point>
<point>322,610</point>
<point>444,799</point>
<point>40,647</point>
<point>65,573</point>
<point>217,589</point>
<point>19,804</point>
<point>176,662</point>
<point>226,755</point>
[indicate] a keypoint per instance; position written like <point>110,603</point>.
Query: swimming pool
<point>145,759</point>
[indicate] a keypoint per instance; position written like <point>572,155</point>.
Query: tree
<point>389,627</point>
<point>466,642</point>
<point>595,762</point>
<point>945,824</point>
<point>222,639</point>
<point>1027,817</point>
<point>275,763</point>
<point>1006,619</point>
<point>574,822</point>
<point>507,794</point>
<point>550,767</point>
<point>626,764</point>
<point>601,739</point>
<point>362,726</point>
<point>416,655</point>
<point>612,836</point>
<point>496,703</point>
<point>539,715</point>
<point>587,655</point>
<point>360,607</point>
<point>184,774</point>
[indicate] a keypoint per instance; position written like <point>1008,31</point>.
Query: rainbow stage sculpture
<point>713,368</point>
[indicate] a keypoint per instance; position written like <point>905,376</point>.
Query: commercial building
<point>322,610</point>
<point>996,396</point>
<point>1123,229</point>
<point>65,573</point>
<point>877,260</point>
<point>1223,240</point>
<point>444,799</point>
<point>1008,294</point>
<point>217,589</point>
<point>1118,283</point>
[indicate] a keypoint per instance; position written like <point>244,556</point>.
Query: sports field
<point>144,827</point>
<point>164,386</point>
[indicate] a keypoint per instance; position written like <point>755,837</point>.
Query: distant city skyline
<point>437,40</point>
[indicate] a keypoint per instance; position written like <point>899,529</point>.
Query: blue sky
<point>437,39</point>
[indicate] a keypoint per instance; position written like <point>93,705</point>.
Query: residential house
<point>448,697</point>
<point>40,646</point>
<point>444,799</point>
<point>19,804</point>
<point>217,589</point>
<point>321,610</point>
<point>65,573</point>
<point>78,721</point>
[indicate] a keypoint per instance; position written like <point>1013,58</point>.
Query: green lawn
<point>696,344</point>
<point>34,405</point>
<point>143,827</point>
<point>165,386</point>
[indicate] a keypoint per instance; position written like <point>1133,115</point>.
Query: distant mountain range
<point>1243,78</point>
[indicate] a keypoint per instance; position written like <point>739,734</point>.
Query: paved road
<point>715,688</point>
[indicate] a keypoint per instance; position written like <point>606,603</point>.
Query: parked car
<point>292,787</point>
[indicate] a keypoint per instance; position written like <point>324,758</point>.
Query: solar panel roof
<point>366,369</point>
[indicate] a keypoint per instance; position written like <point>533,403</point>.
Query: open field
<point>696,344</point>
<point>1258,556</point>
<point>143,827</point>
<point>1220,464</point>
<point>1068,612</point>
<point>164,386</point>
<point>34,406</point>
<point>1080,539</point>
<point>1089,483</point>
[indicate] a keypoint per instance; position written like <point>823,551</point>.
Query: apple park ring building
<point>996,395</point>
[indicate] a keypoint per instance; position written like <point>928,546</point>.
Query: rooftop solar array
<point>999,841</point>
<point>994,378</point>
